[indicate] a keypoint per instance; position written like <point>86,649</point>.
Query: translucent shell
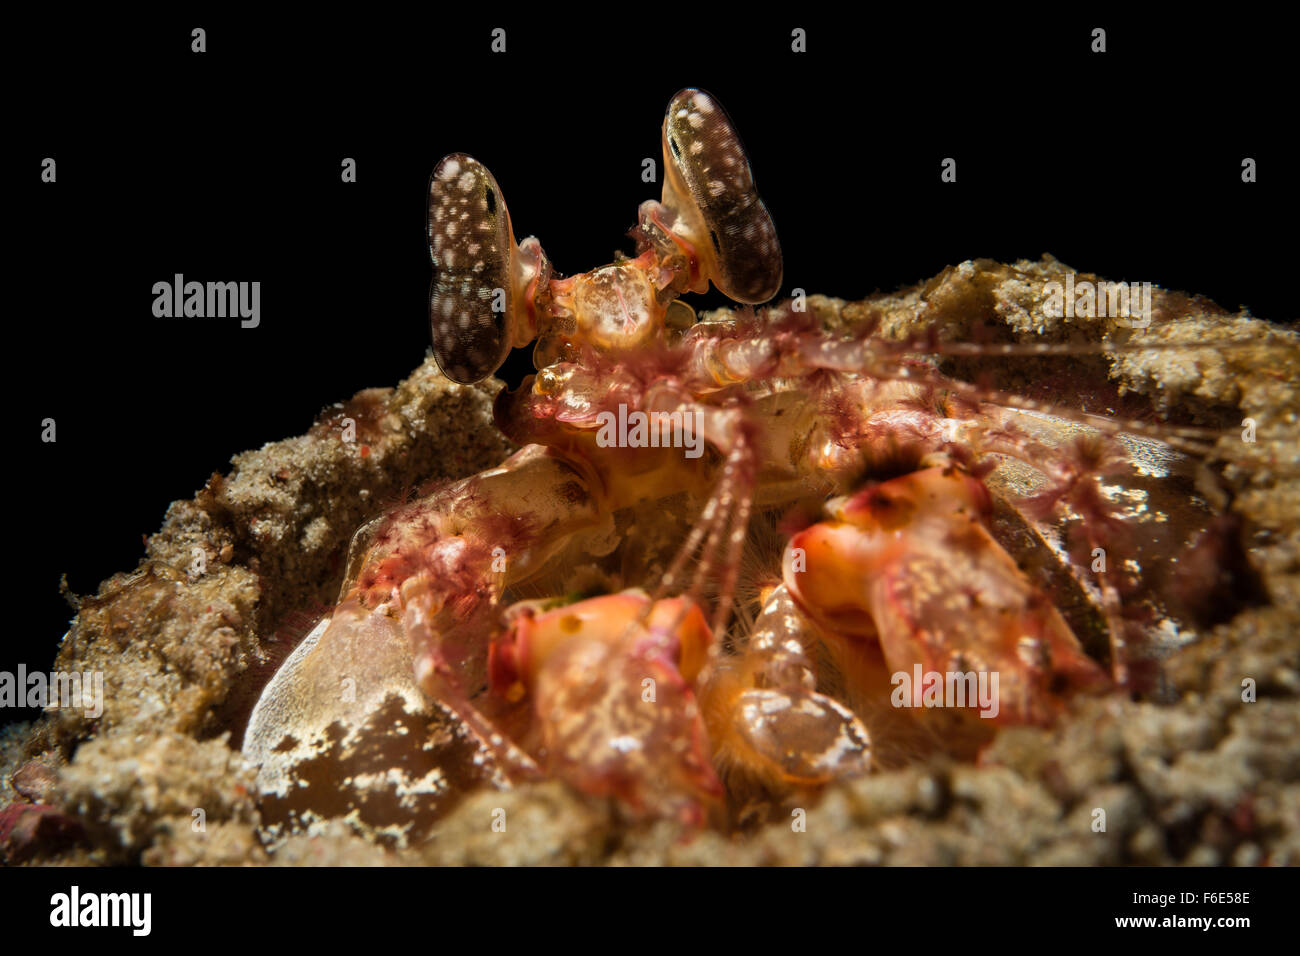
<point>472,298</point>
<point>765,716</point>
<point>708,184</point>
<point>615,307</point>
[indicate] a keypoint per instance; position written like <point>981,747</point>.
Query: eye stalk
<point>481,298</point>
<point>490,293</point>
<point>710,189</point>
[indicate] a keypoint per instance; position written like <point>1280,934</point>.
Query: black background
<point>588,910</point>
<point>225,166</point>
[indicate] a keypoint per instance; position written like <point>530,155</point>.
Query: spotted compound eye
<point>473,248</point>
<point>708,183</point>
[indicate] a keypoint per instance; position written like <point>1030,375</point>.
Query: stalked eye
<point>472,300</point>
<point>709,185</point>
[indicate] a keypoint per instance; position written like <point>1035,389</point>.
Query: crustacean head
<point>490,294</point>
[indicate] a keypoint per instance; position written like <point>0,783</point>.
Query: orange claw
<point>610,701</point>
<point>910,563</point>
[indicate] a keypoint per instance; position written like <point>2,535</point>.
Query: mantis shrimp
<point>617,605</point>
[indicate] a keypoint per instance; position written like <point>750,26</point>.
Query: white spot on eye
<point>466,182</point>
<point>450,170</point>
<point>448,258</point>
<point>463,321</point>
<point>702,103</point>
<point>451,229</point>
<point>448,307</point>
<point>697,147</point>
<point>465,215</point>
<point>473,248</point>
<point>717,187</point>
<point>696,120</point>
<point>681,113</point>
<point>625,744</point>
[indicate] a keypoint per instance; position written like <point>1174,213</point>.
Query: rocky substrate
<point>1191,774</point>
